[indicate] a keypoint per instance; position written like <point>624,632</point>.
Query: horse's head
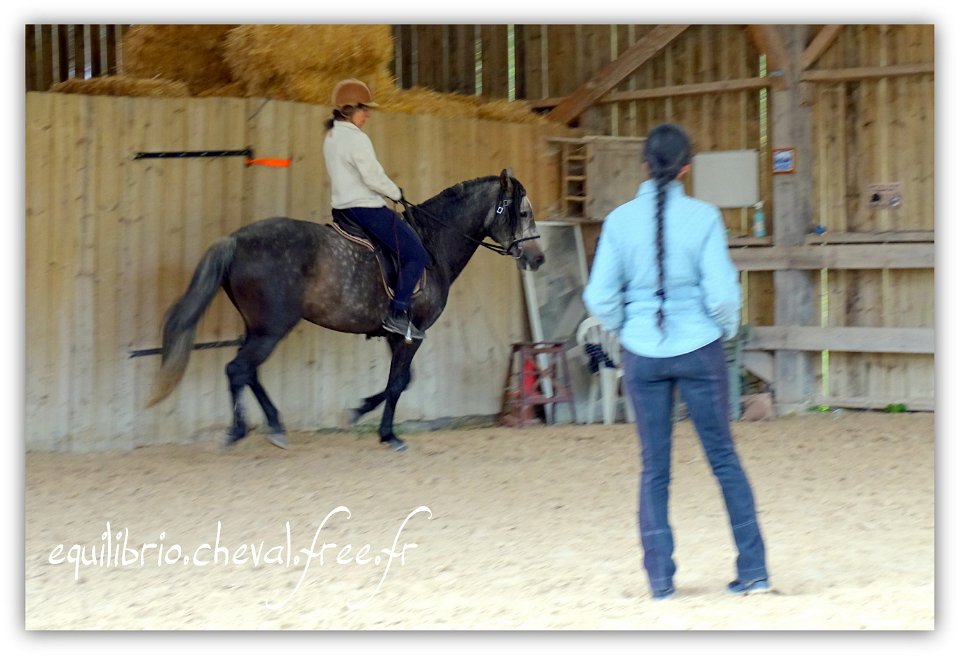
<point>513,225</point>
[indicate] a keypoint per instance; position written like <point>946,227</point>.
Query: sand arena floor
<point>526,529</point>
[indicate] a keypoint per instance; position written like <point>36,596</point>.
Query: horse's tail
<point>180,322</point>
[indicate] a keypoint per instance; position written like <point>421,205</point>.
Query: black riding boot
<point>398,321</point>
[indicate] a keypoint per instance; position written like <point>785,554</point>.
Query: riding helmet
<point>352,92</point>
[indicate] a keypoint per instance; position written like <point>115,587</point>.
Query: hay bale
<point>510,111</point>
<point>304,62</point>
<point>193,54</point>
<point>122,85</point>
<point>285,62</point>
<point>420,100</point>
<point>230,90</point>
<point>295,61</point>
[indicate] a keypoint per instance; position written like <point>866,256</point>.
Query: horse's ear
<point>506,179</point>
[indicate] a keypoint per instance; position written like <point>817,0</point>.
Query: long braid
<point>662,183</point>
<point>667,151</point>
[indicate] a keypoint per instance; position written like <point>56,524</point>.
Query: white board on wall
<point>728,179</point>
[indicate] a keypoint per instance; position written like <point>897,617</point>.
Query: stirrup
<point>402,325</point>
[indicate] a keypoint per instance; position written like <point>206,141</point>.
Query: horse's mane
<point>443,208</point>
<point>456,193</point>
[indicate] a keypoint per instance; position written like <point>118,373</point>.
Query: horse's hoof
<point>396,444</point>
<point>278,439</point>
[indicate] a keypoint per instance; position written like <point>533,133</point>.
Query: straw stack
<point>304,62</point>
<point>192,54</point>
<point>286,62</point>
<point>122,85</point>
<point>419,100</point>
<point>230,90</point>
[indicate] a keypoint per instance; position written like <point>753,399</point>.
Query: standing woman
<point>663,280</point>
<point>358,186</point>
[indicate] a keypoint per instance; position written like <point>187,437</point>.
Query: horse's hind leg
<point>277,434</point>
<point>242,371</point>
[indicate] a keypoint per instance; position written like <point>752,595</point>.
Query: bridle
<point>502,204</point>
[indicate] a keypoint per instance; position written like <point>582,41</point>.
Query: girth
<point>349,229</point>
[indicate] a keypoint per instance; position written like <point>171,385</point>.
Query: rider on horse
<point>358,187</point>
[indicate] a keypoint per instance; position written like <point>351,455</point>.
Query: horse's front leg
<point>352,415</point>
<point>399,380</point>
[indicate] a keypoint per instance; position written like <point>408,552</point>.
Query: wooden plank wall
<point>111,242</point>
<point>551,61</point>
<point>54,53</point>
<point>717,121</point>
<point>97,284</point>
<point>876,131</point>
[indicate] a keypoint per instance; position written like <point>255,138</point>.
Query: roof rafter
<point>769,40</point>
<point>824,39</point>
<point>615,72</point>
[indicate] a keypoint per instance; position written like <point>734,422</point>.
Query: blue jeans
<point>702,378</point>
<point>396,235</point>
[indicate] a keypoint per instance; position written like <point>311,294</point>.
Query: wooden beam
<point>878,237</point>
<point>824,39</point>
<point>743,84</point>
<point>760,364</point>
<point>545,103</point>
<point>614,72</point>
<point>749,241</point>
<point>855,339</point>
<point>769,41</point>
<point>867,72</point>
<point>596,139</point>
<point>920,404</point>
<point>850,256</point>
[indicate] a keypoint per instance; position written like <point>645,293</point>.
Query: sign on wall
<point>728,179</point>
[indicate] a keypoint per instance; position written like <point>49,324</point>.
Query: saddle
<point>387,259</point>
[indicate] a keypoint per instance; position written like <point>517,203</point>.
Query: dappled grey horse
<point>279,271</point>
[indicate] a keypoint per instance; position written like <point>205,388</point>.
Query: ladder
<point>573,178</point>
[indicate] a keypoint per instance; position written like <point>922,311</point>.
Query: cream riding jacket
<point>357,179</point>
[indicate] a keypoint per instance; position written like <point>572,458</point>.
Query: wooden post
<point>31,57</point>
<point>795,293</point>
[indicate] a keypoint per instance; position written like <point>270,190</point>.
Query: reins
<point>502,203</point>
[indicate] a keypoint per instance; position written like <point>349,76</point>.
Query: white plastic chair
<point>605,383</point>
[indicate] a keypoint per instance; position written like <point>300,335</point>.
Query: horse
<point>280,270</point>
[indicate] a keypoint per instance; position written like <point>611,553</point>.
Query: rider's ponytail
<point>340,115</point>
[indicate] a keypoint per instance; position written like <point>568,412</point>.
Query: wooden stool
<point>537,376</point>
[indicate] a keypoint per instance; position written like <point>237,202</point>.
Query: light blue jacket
<point>702,285</point>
